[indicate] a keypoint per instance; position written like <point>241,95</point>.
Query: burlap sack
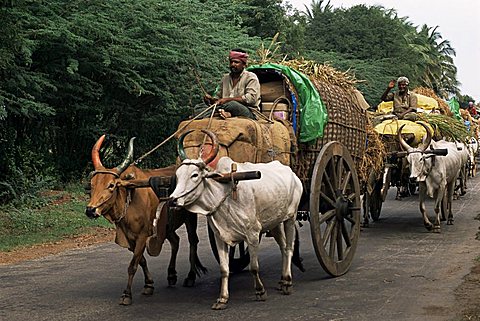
<point>242,139</point>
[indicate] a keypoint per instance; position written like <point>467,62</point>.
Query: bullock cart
<point>318,128</point>
<point>396,171</point>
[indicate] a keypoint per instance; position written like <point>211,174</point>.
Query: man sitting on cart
<point>404,101</point>
<point>238,91</point>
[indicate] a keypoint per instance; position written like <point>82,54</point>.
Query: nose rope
<point>115,190</point>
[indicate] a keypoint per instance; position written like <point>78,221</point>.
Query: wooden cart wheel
<point>335,208</point>
<point>239,257</point>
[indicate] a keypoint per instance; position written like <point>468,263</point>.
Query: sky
<point>458,22</point>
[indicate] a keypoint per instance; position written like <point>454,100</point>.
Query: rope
<point>139,160</point>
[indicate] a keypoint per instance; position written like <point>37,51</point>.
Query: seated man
<point>472,110</point>
<point>404,101</point>
<point>239,89</point>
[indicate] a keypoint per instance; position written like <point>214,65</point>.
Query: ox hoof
<point>286,289</point>
<point>450,221</point>
<point>172,281</point>
<point>428,226</point>
<point>436,229</point>
<point>188,283</point>
<point>148,289</point>
<point>261,295</point>
<point>126,299</point>
<point>219,305</point>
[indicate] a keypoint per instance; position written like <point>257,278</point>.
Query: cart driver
<point>404,101</point>
<point>238,91</point>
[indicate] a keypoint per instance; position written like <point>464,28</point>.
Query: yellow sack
<point>385,107</point>
<point>390,127</point>
<point>426,103</point>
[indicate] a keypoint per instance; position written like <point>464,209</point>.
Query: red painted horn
<point>97,163</point>
<point>215,146</point>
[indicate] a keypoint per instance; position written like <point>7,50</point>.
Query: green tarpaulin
<point>455,108</point>
<point>313,113</point>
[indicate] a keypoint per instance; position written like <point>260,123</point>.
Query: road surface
<point>400,272</point>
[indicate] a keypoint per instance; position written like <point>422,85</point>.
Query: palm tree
<point>435,65</point>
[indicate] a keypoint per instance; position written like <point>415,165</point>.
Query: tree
<point>435,68</point>
<point>84,68</point>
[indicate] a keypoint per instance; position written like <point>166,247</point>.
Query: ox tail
<point>199,268</point>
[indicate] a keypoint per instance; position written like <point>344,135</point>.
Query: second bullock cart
<point>319,129</point>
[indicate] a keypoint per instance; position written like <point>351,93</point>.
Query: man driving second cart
<point>404,101</point>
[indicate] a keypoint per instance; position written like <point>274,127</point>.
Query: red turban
<point>242,56</point>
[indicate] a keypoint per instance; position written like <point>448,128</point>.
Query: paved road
<point>400,272</point>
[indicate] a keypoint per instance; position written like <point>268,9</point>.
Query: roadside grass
<point>50,216</point>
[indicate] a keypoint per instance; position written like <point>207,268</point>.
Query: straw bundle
<point>374,156</point>
<point>322,72</point>
<point>446,126</point>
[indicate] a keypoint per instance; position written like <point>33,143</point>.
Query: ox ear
<point>213,175</point>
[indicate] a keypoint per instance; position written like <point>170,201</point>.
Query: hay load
<point>339,104</point>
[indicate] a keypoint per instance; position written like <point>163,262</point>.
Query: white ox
<point>472,146</point>
<point>436,175</point>
<point>462,177</point>
<point>267,204</point>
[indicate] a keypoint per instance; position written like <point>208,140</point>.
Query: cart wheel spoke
<point>339,242</point>
<point>345,183</point>
<point>328,232</point>
<point>333,240</point>
<point>328,199</point>
<point>328,181</point>
<point>345,235</point>
<point>327,216</point>
<point>339,172</point>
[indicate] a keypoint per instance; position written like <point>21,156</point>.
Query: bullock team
<point>242,212</point>
<point>437,166</point>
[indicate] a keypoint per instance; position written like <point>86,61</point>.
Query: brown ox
<point>133,212</point>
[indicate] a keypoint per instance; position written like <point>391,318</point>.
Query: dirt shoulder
<point>467,296</point>
<point>97,235</point>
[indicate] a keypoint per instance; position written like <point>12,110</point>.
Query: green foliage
<point>79,69</point>
<point>464,100</point>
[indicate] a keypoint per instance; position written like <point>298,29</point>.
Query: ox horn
<point>180,149</point>
<point>402,141</point>
<point>128,160</point>
<point>423,146</point>
<point>97,163</point>
<point>213,153</point>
